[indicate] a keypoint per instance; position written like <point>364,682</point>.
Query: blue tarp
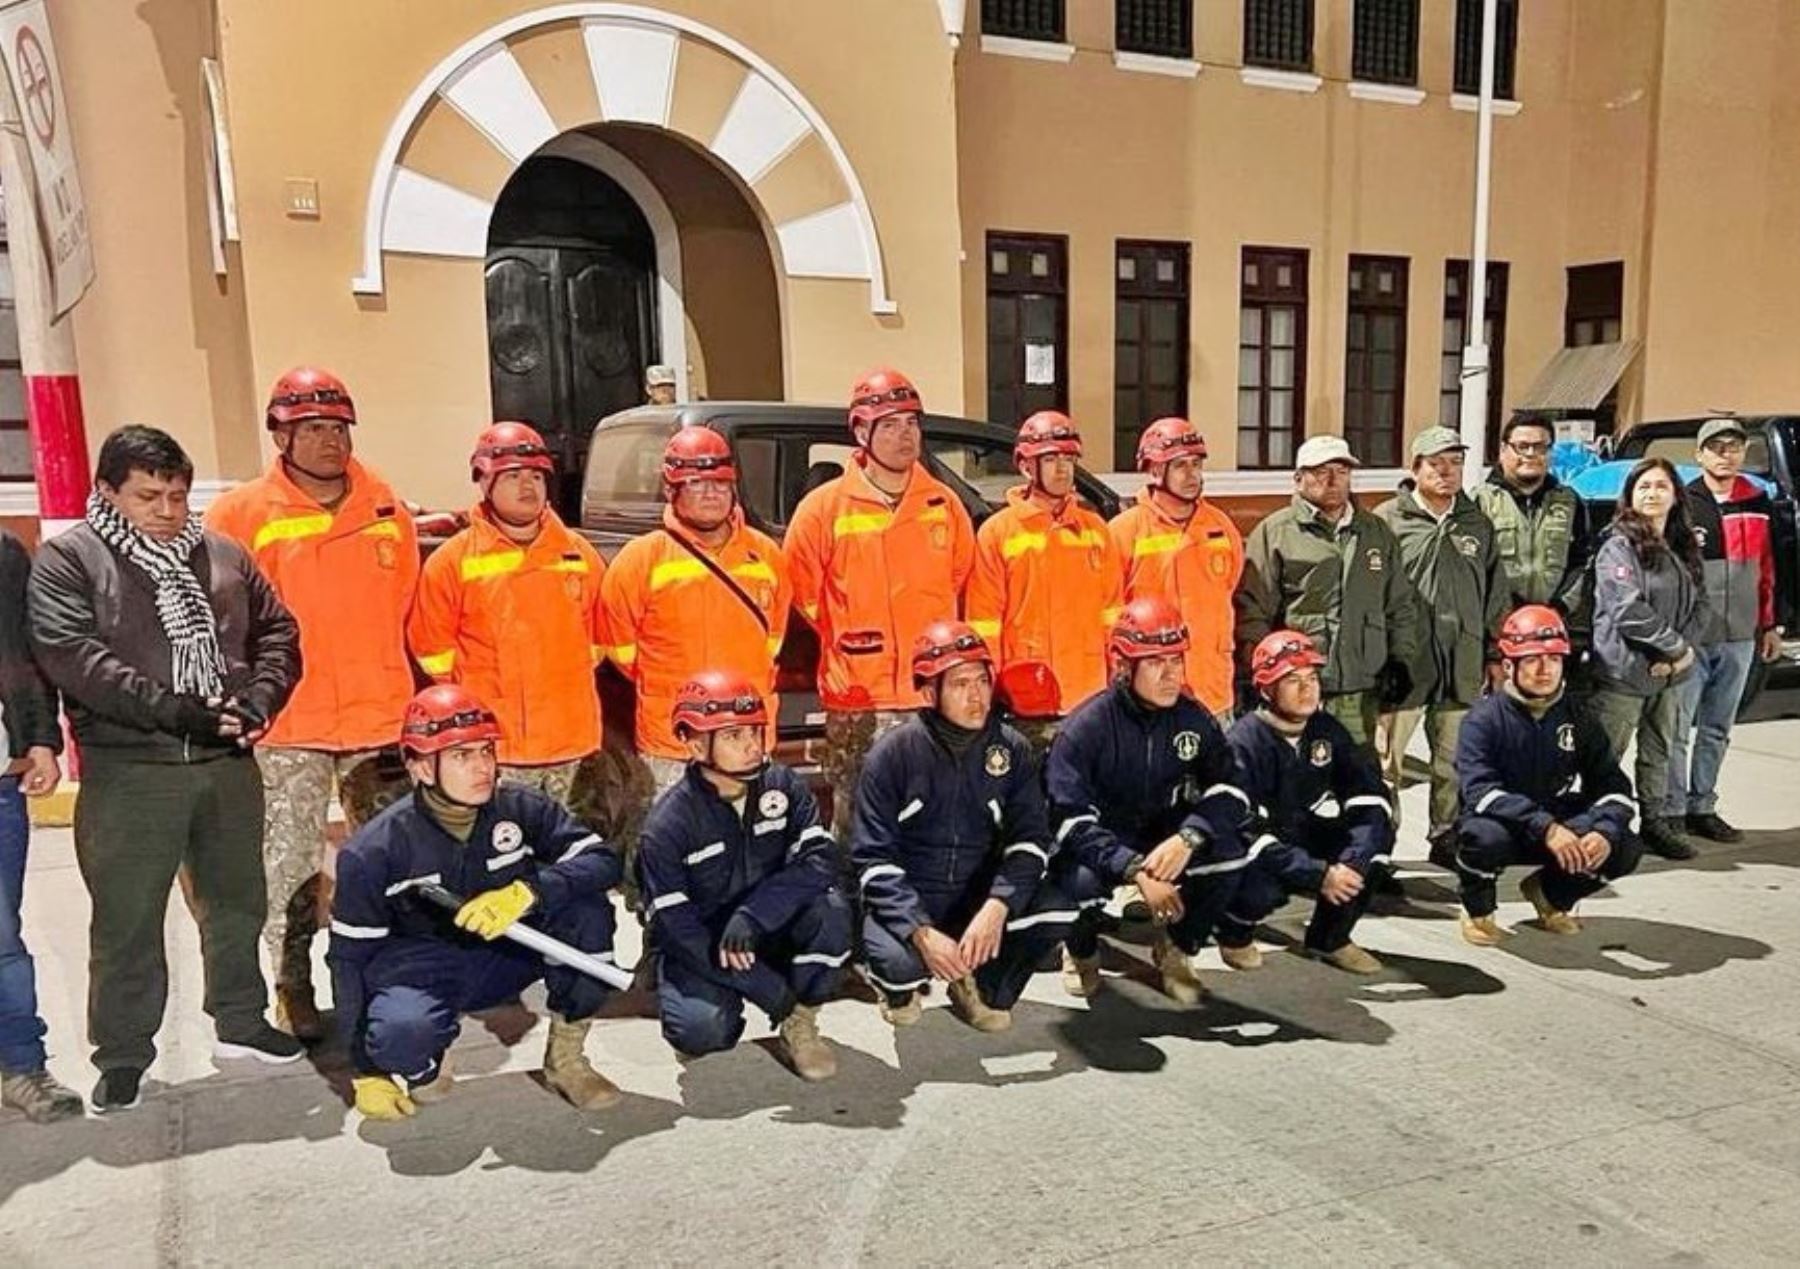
<point>1605,482</point>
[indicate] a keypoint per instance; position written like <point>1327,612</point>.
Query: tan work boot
<point>1179,981</point>
<point>1351,959</point>
<point>967,1004</point>
<point>567,1070</point>
<point>438,1089</point>
<point>904,1013</point>
<point>805,1050</point>
<point>1080,974</point>
<point>1482,931</point>
<point>1550,917</point>
<point>296,1013</point>
<point>1249,956</point>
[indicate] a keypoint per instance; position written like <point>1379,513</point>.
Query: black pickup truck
<point>783,452</point>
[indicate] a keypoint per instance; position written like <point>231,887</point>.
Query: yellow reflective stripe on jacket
<point>1156,544</point>
<point>491,565</point>
<point>1109,615</point>
<point>625,653</point>
<point>568,566</point>
<point>671,571</point>
<point>774,644</point>
<point>933,515</point>
<point>382,529</point>
<point>438,664</point>
<point>598,652</point>
<point>1019,543</point>
<point>1088,538</point>
<point>756,571</point>
<point>986,628</point>
<point>862,522</point>
<point>291,527</point>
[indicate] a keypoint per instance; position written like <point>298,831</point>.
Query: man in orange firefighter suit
<point>1047,582</point>
<point>1180,547</point>
<point>877,555</point>
<point>705,591</point>
<point>510,608</point>
<point>339,547</point>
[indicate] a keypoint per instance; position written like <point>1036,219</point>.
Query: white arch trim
<point>387,161</point>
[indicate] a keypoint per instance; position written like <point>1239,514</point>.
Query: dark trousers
<point>138,824</point>
<point>1298,867</point>
<point>420,987</point>
<point>804,962</point>
<point>21,1028</point>
<point>896,967</point>
<point>1486,847</point>
<point>1204,897</point>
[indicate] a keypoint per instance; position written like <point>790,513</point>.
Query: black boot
<point>1660,838</point>
<point>1713,827</point>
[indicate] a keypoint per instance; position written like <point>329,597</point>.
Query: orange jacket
<point>521,627</point>
<point>671,617</point>
<point>1196,566</point>
<point>871,576</point>
<point>348,577</point>
<point>1047,588</point>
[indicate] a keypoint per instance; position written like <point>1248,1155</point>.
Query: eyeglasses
<point>1528,449</point>
<point>740,705</point>
<point>467,718</point>
<point>1725,447</point>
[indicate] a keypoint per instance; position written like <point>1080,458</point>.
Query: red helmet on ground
<point>1168,439</point>
<point>444,716</point>
<point>1045,433</point>
<point>306,392</point>
<point>1149,626</point>
<point>945,645</point>
<point>509,447</point>
<point>881,393</point>
<point>1533,630</point>
<point>696,452</point>
<point>716,699</point>
<point>1280,653</point>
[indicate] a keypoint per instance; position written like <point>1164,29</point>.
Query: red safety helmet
<point>1533,630</point>
<point>1280,653</point>
<point>1045,433</point>
<point>306,392</point>
<point>716,699</point>
<point>1169,439</point>
<point>696,452</point>
<point>881,393</point>
<point>1149,626</point>
<point>945,645</point>
<point>509,447</point>
<point>1030,690</point>
<point>444,716</point>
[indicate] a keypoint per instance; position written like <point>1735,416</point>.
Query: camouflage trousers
<point>848,737</point>
<point>556,780</point>
<point>610,792</point>
<point>298,785</point>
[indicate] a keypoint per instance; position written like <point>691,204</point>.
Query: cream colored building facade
<point>818,182</point>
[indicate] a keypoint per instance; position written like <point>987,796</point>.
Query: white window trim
<point>1258,480</point>
<point>1465,101</point>
<point>1394,94</point>
<point>1286,81</point>
<point>1032,50</point>
<point>1152,64</point>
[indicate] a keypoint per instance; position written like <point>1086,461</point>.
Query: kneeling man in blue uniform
<point>1539,786</point>
<point>403,970</point>
<point>740,880</point>
<point>950,841</point>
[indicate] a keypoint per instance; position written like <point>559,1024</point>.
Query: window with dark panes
<point>15,434</point>
<point>1272,317</point>
<point>1595,310</point>
<point>1385,42</point>
<point>1162,28</point>
<point>1456,338</point>
<point>1468,47</point>
<point>1027,325</point>
<point>1278,34</point>
<point>1023,19</point>
<point>1150,339</point>
<point>1375,359</point>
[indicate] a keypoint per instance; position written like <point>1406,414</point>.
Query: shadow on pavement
<point>1628,947</point>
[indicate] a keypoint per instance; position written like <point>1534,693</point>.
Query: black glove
<point>740,934</point>
<point>185,714</point>
<point>1393,683</point>
<point>248,715</point>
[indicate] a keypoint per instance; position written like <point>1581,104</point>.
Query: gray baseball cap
<point>657,375</point>
<point>1722,427</point>
<point>1437,440</point>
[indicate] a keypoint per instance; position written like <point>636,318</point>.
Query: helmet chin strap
<point>742,777</point>
<point>438,788</point>
<point>288,461</point>
<point>1285,715</point>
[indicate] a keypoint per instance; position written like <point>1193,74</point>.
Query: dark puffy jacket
<point>1648,609</point>
<point>96,634</point>
<point>1535,772</point>
<point>1326,783</point>
<point>29,702</point>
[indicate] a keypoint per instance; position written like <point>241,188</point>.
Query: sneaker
<point>1713,828</point>
<point>1660,838</point>
<point>117,1090</point>
<point>40,1097</point>
<point>804,1048</point>
<point>1482,931</point>
<point>1550,917</point>
<point>1179,981</point>
<point>967,1004</point>
<point>259,1041</point>
<point>1249,956</point>
<point>1080,974</point>
<point>1351,959</point>
<point>901,1010</point>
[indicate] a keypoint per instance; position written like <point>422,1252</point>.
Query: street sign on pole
<point>29,55</point>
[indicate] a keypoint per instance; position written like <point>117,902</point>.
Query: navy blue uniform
<point>936,835</point>
<point>1123,777</point>
<point>1317,799</point>
<point>401,971</point>
<point>702,860</point>
<point>1519,775</point>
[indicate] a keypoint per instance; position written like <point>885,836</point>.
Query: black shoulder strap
<point>712,566</point>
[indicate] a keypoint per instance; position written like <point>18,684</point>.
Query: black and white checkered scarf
<point>181,602</point>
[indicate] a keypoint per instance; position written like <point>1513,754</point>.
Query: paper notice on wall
<point>31,70</point>
<point>1040,365</point>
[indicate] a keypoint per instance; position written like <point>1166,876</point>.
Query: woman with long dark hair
<point>1649,611</point>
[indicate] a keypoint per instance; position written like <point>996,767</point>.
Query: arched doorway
<point>571,305</point>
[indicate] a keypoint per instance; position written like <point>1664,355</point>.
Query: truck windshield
<point>1680,451</point>
<point>625,465</point>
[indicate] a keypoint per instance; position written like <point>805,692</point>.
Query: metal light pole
<point>1475,351</point>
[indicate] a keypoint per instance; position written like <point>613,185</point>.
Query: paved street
<point>1628,1096</point>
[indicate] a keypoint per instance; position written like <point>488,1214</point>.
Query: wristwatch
<point>1195,839</point>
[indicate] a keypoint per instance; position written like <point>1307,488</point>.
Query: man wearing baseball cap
<point>659,385</point>
<point>1327,568</point>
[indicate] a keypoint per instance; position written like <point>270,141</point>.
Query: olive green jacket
<point>1543,547</point>
<point>1454,564</point>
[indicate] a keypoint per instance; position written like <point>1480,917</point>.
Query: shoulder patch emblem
<point>1187,745</point>
<point>507,836</point>
<point>1565,737</point>
<point>1374,560</point>
<point>772,803</point>
<point>998,761</point>
<point>1468,546</point>
<point>1319,753</point>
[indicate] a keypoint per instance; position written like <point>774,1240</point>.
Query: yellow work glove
<point>492,912</point>
<point>379,1097</point>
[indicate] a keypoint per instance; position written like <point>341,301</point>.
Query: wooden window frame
<point>1056,284</point>
<point>1362,434</point>
<point>1466,57</point>
<point>1266,48</point>
<point>1265,296</point>
<point>1125,432</point>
